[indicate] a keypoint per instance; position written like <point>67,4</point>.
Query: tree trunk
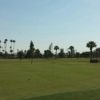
<point>91,54</point>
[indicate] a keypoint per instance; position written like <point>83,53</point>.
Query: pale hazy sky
<point>63,22</point>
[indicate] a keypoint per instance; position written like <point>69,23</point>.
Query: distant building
<point>96,53</point>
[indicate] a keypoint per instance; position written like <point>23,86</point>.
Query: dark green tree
<point>61,53</point>
<point>37,54</point>
<point>31,46</point>
<point>30,52</point>
<point>48,54</point>
<point>85,55</point>
<point>20,54</point>
<point>77,54</point>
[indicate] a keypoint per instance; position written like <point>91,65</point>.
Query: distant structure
<point>96,54</point>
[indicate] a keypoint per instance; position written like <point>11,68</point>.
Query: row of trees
<point>35,53</point>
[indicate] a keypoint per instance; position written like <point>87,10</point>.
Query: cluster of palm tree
<point>72,53</point>
<point>3,49</point>
<point>71,50</point>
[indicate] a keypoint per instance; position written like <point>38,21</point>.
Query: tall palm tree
<point>3,51</point>
<point>5,45</point>
<point>71,48</point>
<point>11,42</point>
<point>13,45</point>
<point>56,48</point>
<point>91,45</point>
<point>11,50</point>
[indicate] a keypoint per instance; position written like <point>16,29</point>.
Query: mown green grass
<point>49,79</point>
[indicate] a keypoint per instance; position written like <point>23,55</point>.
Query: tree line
<point>32,52</point>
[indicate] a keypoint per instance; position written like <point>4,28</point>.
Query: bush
<point>94,61</point>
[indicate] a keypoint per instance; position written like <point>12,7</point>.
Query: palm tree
<point>13,45</point>
<point>5,45</point>
<point>11,42</point>
<point>3,51</point>
<point>56,48</point>
<point>71,48</point>
<point>91,45</point>
<point>11,50</point>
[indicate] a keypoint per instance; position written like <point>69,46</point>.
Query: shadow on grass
<point>80,95</point>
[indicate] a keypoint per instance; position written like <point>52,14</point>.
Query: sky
<point>62,22</point>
